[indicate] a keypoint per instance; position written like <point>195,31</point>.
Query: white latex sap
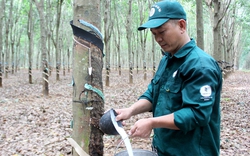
<point>122,133</point>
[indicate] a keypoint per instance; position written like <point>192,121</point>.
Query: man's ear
<point>182,24</point>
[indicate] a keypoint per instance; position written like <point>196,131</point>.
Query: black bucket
<point>137,152</point>
<point>106,124</point>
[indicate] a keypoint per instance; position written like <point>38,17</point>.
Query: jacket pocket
<point>174,96</point>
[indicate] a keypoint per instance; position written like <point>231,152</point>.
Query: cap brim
<point>153,23</point>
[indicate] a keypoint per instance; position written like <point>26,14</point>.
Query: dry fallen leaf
<point>32,124</point>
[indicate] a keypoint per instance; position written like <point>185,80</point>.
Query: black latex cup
<point>106,124</point>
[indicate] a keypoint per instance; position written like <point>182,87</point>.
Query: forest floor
<point>34,125</point>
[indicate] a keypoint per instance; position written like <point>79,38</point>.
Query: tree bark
<point>218,54</point>
<point>50,26</point>
<point>129,36</point>
<point>7,31</point>
<point>199,24</point>
<point>143,35</point>
<point>88,106</point>
<point>18,47</point>
<point>30,32</point>
<point>40,8</point>
<point>153,53</point>
<point>117,39</point>
<point>68,54</point>
<point>108,30</point>
<point>218,10</point>
<point>2,7</point>
<point>58,58</point>
<point>12,45</point>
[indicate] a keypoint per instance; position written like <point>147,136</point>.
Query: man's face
<point>169,35</point>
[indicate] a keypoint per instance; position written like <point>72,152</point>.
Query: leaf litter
<point>32,124</point>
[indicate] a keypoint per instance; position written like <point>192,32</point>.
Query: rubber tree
<point>218,10</point>
<point>1,40</point>
<point>117,38</point>
<point>129,36</point>
<point>40,7</point>
<point>88,100</point>
<point>30,33</point>
<point>108,24</point>
<point>143,34</point>
<point>56,43</point>
<point>199,24</point>
<point>8,22</point>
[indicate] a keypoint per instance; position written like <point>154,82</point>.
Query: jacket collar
<point>184,50</point>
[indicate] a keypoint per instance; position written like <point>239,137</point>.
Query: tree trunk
<point>218,54</point>
<point>68,59</point>
<point>64,69</point>
<point>37,58</point>
<point>50,49</point>
<point>238,50</point>
<point>30,32</point>
<point>88,105</point>
<point>143,35</point>
<point>1,40</point>
<point>7,31</point>
<point>12,39</point>
<point>64,62</point>
<point>18,47</point>
<point>40,8</point>
<point>218,10</point>
<point>108,27</point>
<point>145,70</point>
<point>50,26</point>
<point>199,24</point>
<point>58,62</point>
<point>153,53</point>
<point>117,39</point>
<point>137,53</point>
<point>129,36</point>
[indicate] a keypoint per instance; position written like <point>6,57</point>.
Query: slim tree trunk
<point>50,26</point>
<point>1,40</point>
<point>40,8</point>
<point>137,53</point>
<point>218,11</point>
<point>30,32</point>
<point>7,31</point>
<point>88,104</point>
<point>68,59</point>
<point>153,53</point>
<point>143,35</point>
<point>118,39</point>
<point>199,24</point>
<point>218,53</point>
<point>108,28</point>
<point>37,58</point>
<point>12,39</point>
<point>129,36</point>
<point>64,62</point>
<point>18,41</point>
<point>58,58</point>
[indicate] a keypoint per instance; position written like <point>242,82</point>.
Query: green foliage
<point>119,8</point>
<point>244,19</point>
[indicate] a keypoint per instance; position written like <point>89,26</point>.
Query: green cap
<point>161,12</point>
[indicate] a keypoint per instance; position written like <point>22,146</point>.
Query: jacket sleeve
<point>199,95</point>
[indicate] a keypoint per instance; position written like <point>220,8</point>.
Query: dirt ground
<point>34,125</point>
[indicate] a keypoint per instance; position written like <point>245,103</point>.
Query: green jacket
<point>187,84</point>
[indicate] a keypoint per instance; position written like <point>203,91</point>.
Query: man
<point>184,95</point>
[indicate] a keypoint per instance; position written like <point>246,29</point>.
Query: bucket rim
<point>137,150</point>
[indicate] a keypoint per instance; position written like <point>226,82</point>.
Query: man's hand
<point>142,128</point>
<point>123,114</point>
